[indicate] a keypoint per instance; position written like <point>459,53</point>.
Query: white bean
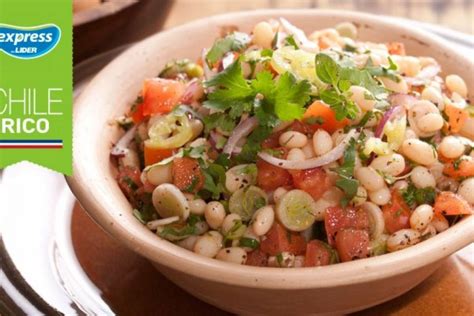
<point>428,232</point>
<point>434,95</point>
<point>188,243</point>
<point>130,159</point>
<point>398,87</point>
<point>467,130</point>
<point>419,151</point>
<point>408,65</point>
<point>430,122</point>
<point>436,170</point>
<point>369,178</point>
<point>381,196</point>
<point>308,150</point>
<point>422,178</point>
<point>217,236</point>
<point>160,174</point>
<point>206,246</point>
<point>214,214</point>
<point>421,217</point>
<point>296,154</point>
<point>236,178</point>
<point>229,222</point>
<point>197,206</point>
<point>263,220</point>
<point>392,164</point>
<point>232,254</point>
<point>347,29</point>
<point>263,35</point>
<point>322,142</point>
<point>466,190</point>
<point>292,139</point>
<point>440,223</point>
<point>360,197</point>
<point>201,227</point>
<point>278,194</point>
<point>400,185</point>
<point>169,201</point>
<point>402,239</point>
<point>362,97</point>
<point>451,147</point>
<point>456,84</point>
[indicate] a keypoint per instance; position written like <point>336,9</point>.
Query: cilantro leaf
<point>219,119</point>
<point>214,181</point>
<point>232,88</point>
<point>290,97</point>
<point>327,69</point>
<point>236,41</point>
<point>253,144</point>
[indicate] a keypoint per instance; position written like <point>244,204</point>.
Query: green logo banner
<point>36,83</point>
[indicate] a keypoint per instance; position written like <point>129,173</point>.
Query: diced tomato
<point>187,175</point>
<point>270,177</point>
<point>161,95</point>
<point>352,244</point>
<point>257,258</point>
<point>461,169</point>
<point>272,141</point>
<point>137,115</point>
<point>299,126</point>
<point>129,180</point>
<point>313,181</point>
<point>318,253</point>
<point>319,110</point>
<point>449,203</point>
<point>456,117</point>
<point>154,155</point>
<point>396,213</point>
<point>338,218</point>
<point>396,48</point>
<point>278,240</point>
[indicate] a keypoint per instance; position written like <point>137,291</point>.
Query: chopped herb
<point>367,117</point>
<point>253,144</point>
<point>314,120</point>
<point>279,258</point>
<point>290,41</point>
<point>414,196</point>
<point>193,219</point>
<point>138,101</point>
<point>249,243</point>
<point>346,182</point>
<point>130,183</point>
<point>214,181</point>
<point>267,52</point>
<point>236,231</point>
<point>235,42</point>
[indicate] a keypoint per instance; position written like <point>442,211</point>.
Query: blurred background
<point>97,21</point>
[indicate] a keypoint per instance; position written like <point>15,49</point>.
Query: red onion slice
<point>121,147</point>
<point>192,92</point>
<point>333,155</point>
<point>242,130</point>
<point>299,36</point>
<point>389,115</point>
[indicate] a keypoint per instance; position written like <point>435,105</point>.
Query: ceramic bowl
<point>340,288</point>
